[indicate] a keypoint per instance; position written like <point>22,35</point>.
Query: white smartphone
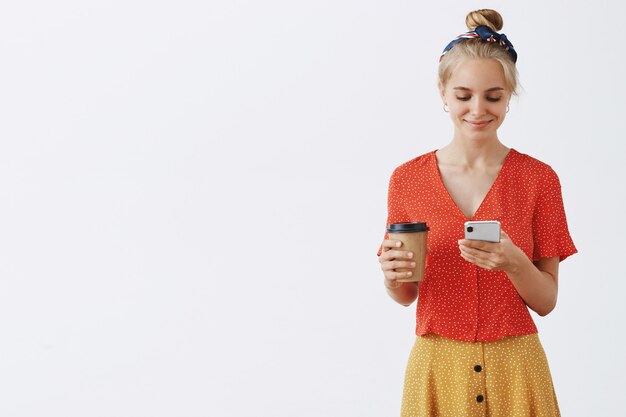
<point>488,231</point>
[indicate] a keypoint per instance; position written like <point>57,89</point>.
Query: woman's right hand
<point>393,258</point>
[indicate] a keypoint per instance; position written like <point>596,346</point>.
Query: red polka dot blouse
<point>458,299</point>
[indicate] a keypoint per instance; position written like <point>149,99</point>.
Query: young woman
<point>477,352</point>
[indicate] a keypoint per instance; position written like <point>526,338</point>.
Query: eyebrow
<point>488,90</point>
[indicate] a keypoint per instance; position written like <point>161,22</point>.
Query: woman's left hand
<point>502,256</point>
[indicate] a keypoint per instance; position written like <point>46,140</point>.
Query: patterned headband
<point>487,35</point>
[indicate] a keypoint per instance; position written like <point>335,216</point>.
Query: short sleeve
<point>395,205</point>
<point>550,232</point>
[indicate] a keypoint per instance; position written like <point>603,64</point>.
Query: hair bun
<point>484,17</point>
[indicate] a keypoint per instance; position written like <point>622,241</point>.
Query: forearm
<point>405,294</point>
<point>537,288</point>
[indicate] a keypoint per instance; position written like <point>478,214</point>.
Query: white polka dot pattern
<point>458,299</point>
<point>509,377</point>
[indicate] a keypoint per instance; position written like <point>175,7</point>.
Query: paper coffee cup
<point>413,237</point>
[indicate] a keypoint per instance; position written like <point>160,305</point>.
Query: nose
<point>477,107</point>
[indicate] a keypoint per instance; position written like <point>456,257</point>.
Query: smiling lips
<point>478,124</point>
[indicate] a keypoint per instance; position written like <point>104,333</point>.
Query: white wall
<point>192,194</point>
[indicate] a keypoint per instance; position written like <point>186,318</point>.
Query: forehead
<point>477,74</point>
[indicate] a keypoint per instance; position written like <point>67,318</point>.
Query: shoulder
<point>534,169</point>
<point>416,166</point>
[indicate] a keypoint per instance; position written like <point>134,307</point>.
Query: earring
<point>445,108</point>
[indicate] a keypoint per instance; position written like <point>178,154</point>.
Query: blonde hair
<point>479,49</point>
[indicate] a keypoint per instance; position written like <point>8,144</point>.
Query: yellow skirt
<point>451,378</point>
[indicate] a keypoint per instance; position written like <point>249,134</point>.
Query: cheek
<point>499,110</point>
<point>459,108</point>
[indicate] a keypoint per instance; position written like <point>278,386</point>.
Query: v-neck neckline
<point>489,192</point>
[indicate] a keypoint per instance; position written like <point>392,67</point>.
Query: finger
<point>388,252</point>
<point>495,258</point>
<point>489,265</point>
<point>396,254</point>
<point>476,256</point>
<point>474,252</point>
<point>389,244</point>
<point>477,244</point>
<point>396,266</point>
<point>468,257</point>
<point>485,263</point>
<point>473,259</point>
<point>391,276</point>
<point>392,243</point>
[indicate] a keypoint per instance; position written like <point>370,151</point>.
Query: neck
<point>475,152</point>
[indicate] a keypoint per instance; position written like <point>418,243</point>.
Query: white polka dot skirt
<point>451,378</point>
